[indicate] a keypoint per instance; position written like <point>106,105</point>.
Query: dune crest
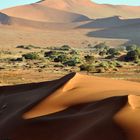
<point>82,89</point>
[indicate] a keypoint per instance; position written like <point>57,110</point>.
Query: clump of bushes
<point>72,61</point>
<point>87,67</point>
<point>64,58</point>
<point>31,56</point>
<point>91,68</point>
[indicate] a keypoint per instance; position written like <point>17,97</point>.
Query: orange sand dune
<point>37,12</point>
<point>93,10</point>
<point>70,10</point>
<point>75,107</point>
<point>69,22</point>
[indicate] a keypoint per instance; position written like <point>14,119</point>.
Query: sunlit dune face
<point>129,118</point>
<point>134,101</point>
<point>82,89</point>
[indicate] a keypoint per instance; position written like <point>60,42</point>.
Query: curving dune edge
<point>75,107</point>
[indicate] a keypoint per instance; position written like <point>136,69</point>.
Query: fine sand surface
<point>75,107</point>
<point>14,36</point>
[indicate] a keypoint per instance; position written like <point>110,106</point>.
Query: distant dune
<point>46,10</point>
<point>39,12</point>
<point>58,22</point>
<point>75,107</point>
<point>93,10</point>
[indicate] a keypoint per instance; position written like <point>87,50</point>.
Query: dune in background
<point>75,107</point>
<point>59,22</point>
<point>84,7</point>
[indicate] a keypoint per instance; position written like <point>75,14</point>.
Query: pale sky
<point>10,3</point>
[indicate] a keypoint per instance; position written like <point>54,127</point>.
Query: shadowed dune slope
<point>24,23</point>
<point>110,22</point>
<point>130,32</point>
<point>75,107</point>
<point>4,19</point>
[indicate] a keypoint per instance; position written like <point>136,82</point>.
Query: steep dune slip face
<point>75,107</point>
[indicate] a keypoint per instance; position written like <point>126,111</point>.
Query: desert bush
<point>32,46</point>
<point>59,65</point>
<point>101,46</point>
<point>65,48</point>
<point>87,67</point>
<point>113,51</point>
<point>31,56</point>
<point>61,58</point>
<point>53,54</point>
<point>104,64</point>
<point>100,70</point>
<point>89,58</point>
<point>102,53</point>
<point>19,59</point>
<point>73,52</point>
<point>110,57</point>
<point>28,47</point>
<point>133,55</point>
<point>131,47</point>
<point>72,61</point>
<point>91,68</point>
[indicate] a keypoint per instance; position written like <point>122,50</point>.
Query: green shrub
<point>88,68</point>
<point>131,47</point>
<point>89,58</point>
<point>133,55</point>
<point>104,64</point>
<point>102,53</point>
<point>113,51</point>
<point>101,46</point>
<point>61,58</point>
<point>73,52</point>
<point>72,61</point>
<point>53,55</point>
<point>65,48</point>
<point>31,56</point>
<point>28,47</point>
